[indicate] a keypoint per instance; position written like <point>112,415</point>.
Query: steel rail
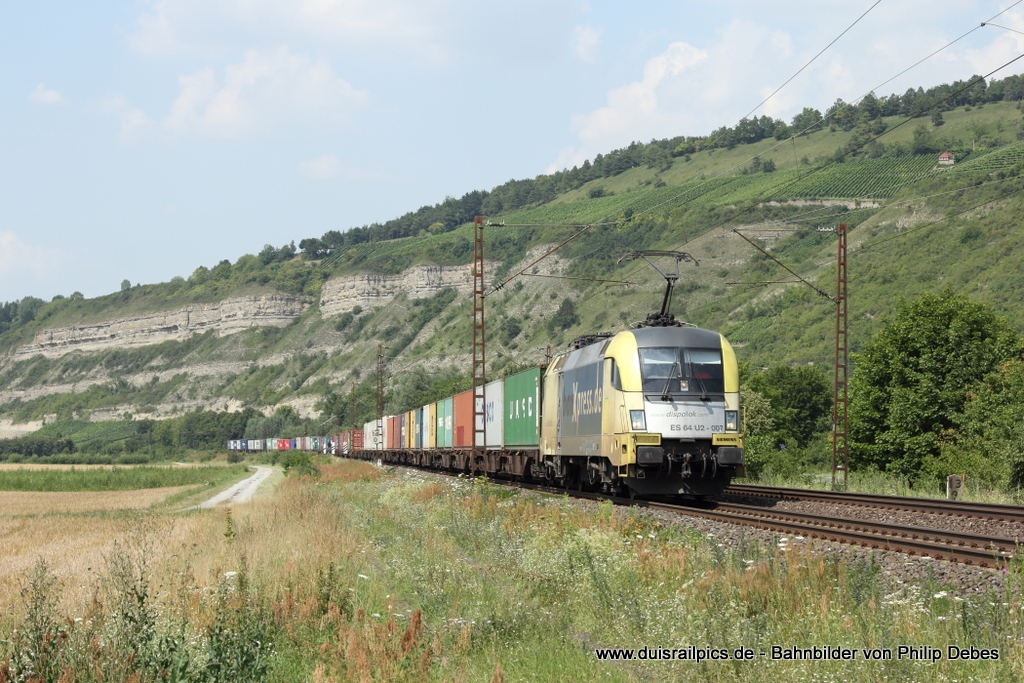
<point>955,547</point>
<point>939,544</point>
<point>994,511</point>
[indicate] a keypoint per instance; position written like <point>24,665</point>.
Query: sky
<point>141,139</point>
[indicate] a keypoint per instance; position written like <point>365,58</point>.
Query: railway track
<point>979,550</point>
<point>938,544</point>
<point>955,508</point>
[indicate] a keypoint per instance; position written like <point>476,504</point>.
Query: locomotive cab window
<point>688,371</point>
<point>616,377</point>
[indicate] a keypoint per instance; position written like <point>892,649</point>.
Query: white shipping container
<point>373,439</point>
<point>494,396</point>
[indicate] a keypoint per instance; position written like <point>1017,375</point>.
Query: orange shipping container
<point>394,432</point>
<point>462,429</point>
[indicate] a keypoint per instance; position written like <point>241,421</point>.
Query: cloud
<point>692,88</point>
<point>1005,45</point>
<point>586,43</point>
<point>266,93</point>
<point>44,95</point>
<point>198,26</point>
<point>630,104</point>
<point>135,124</point>
<point>322,167</point>
<point>20,260</point>
<point>430,31</point>
<point>328,166</point>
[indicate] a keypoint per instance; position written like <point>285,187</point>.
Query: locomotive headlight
<point>637,420</point>
<point>732,421</point>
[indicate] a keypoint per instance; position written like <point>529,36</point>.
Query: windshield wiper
<point>703,390</point>
<point>665,395</point>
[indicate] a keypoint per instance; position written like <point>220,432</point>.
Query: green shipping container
<point>522,409</point>
<point>445,415</point>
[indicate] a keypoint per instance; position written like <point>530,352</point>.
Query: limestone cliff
<point>229,315</point>
<point>342,294</point>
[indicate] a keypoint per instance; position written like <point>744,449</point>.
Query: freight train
<point>648,412</point>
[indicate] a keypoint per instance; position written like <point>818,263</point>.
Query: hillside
<point>284,328</point>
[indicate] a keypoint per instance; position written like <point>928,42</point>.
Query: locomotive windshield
<point>675,370</point>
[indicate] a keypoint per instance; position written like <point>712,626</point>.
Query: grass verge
<point>115,478</point>
<point>365,575</point>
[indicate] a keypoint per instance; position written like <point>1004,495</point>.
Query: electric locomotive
<point>652,411</point>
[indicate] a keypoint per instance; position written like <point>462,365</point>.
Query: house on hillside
<point>947,159</point>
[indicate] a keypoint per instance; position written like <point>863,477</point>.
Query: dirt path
<point>241,492</point>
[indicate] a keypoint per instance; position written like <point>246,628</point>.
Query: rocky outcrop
<point>342,294</point>
<point>229,315</point>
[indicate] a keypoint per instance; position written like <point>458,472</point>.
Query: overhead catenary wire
<point>853,103</point>
<point>1005,28</point>
<point>851,151</point>
<point>587,227</point>
<point>333,258</point>
<point>797,134</point>
<point>561,244</point>
<point>825,212</point>
<point>838,159</point>
<point>917,198</point>
<point>787,268</point>
<point>877,243</point>
<point>975,207</point>
<point>813,59</point>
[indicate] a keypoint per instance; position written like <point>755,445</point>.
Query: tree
<point>510,328</point>
<point>801,400</point>
<point>806,121</point>
<point>564,318</point>
<point>312,248</point>
<point>28,308</point>
<point>758,431</point>
<point>989,441</point>
<point>125,285</point>
<point>924,142</point>
<point>913,379</point>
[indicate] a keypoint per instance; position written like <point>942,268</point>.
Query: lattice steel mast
<point>479,347</point>
<point>840,434</point>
